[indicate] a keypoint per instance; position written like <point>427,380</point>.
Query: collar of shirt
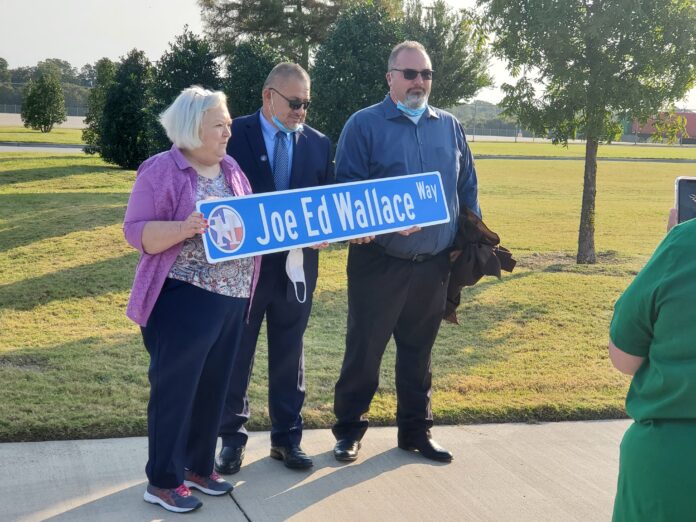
<point>180,159</point>
<point>269,133</point>
<point>227,164</point>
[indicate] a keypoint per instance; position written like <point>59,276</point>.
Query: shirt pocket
<point>446,158</point>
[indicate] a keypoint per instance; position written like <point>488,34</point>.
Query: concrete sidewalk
<point>504,472</point>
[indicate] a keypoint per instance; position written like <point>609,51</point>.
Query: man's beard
<point>415,101</point>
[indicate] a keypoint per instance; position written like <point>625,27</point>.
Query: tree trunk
<point>586,246</point>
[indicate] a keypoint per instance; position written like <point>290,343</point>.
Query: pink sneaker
<point>178,500</point>
<point>212,485</point>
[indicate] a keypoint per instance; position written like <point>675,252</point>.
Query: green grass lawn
<point>529,347</point>
<point>56,136</point>
<point>577,150</point>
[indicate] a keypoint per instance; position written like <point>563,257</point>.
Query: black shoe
<point>229,460</point>
<point>426,447</point>
<point>292,456</point>
<point>346,450</point>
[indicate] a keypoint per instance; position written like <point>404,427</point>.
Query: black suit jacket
<point>312,165</point>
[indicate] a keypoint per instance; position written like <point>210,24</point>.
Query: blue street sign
<point>262,223</point>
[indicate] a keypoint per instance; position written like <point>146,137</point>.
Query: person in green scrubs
<point>653,338</point>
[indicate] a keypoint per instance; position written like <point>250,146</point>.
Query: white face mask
<point>295,270</point>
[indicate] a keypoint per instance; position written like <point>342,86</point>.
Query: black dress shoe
<point>229,460</point>
<point>346,450</point>
<point>426,447</point>
<point>292,456</point>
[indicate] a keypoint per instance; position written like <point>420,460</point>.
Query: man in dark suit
<point>277,152</point>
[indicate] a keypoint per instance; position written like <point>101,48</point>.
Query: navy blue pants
<point>389,296</point>
<point>286,320</point>
<point>192,336</point>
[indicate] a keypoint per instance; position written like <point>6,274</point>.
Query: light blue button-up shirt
<point>381,142</point>
<point>269,133</point>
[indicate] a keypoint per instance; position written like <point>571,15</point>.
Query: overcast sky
<point>83,31</point>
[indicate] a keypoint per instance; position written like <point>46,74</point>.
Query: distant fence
<point>511,133</point>
<point>9,108</point>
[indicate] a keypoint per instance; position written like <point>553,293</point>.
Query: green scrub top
<point>655,318</point>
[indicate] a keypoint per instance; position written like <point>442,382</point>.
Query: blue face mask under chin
<point>285,129</point>
<point>408,111</point>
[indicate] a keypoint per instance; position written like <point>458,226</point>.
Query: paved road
<point>562,471</point>
<point>39,147</point>
<point>15,120</point>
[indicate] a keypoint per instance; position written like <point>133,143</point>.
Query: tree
<point>9,94</point>
<point>75,95</point>
<point>22,75</point>
<point>294,27</point>
<point>88,75</point>
<point>66,72</point>
<point>247,69</point>
<point>669,126</point>
<point>457,48</point>
<point>349,72</point>
<point>127,117</point>
<point>598,61</point>
<point>4,72</point>
<point>105,70</point>
<point>188,61</point>
<point>43,105</point>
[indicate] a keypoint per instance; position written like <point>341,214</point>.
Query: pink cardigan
<point>165,190</point>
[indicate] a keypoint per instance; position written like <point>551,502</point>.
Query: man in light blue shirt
<point>270,136</point>
<point>277,151</point>
<point>397,283</point>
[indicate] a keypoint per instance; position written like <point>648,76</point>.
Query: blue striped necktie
<point>281,163</point>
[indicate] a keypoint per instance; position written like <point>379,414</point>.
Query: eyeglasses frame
<point>295,105</point>
<point>429,72</point>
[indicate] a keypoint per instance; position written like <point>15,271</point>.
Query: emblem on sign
<point>226,228</point>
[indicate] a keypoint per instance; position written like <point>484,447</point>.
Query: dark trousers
<point>192,336</point>
<point>286,320</point>
<point>389,296</point>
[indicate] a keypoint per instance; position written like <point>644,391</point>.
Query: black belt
<point>416,258</point>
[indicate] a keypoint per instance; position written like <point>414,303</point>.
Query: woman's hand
<point>672,219</point>
<point>194,224</point>
<point>158,236</point>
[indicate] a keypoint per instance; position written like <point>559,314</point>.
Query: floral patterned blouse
<point>232,278</point>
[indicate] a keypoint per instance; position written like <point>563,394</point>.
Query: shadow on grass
<point>325,345</point>
<point>109,276</point>
<point>91,387</point>
<point>10,157</point>
<point>33,217</point>
<point>110,372</point>
<point>609,263</point>
<point>486,347</point>
<point>9,177</point>
<point>485,337</point>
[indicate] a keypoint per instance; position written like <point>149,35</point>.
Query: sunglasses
<point>410,74</point>
<point>295,105</point>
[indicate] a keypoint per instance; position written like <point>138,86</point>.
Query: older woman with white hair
<point>190,312</point>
